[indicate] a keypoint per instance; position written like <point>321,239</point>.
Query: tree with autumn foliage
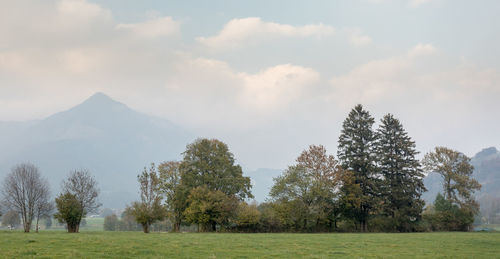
<point>306,194</point>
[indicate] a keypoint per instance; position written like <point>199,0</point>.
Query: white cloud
<point>277,86</point>
<point>211,92</point>
<point>421,79</point>
<point>379,79</point>
<point>238,32</point>
<point>82,10</point>
<point>157,27</point>
<point>422,50</point>
<point>356,37</point>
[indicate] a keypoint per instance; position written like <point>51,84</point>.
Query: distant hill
<point>486,170</point>
<point>102,135</point>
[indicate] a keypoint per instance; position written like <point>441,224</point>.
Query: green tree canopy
<point>308,191</point>
<point>208,162</point>
<point>175,193</point>
<point>150,208</point>
<point>69,211</point>
<point>209,208</point>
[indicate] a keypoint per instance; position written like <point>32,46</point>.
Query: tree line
<point>374,183</point>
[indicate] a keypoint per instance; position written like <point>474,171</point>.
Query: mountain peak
<point>486,152</point>
<point>99,98</point>
<point>101,101</point>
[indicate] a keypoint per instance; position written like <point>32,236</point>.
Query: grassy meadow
<point>99,244</point>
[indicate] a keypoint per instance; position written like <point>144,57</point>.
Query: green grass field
<point>58,244</point>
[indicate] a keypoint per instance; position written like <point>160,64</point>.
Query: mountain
<point>101,135</point>
<point>486,171</point>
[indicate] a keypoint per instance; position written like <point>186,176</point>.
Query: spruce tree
<point>402,174</point>
<point>356,154</point>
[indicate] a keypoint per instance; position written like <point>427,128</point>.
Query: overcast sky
<point>267,77</point>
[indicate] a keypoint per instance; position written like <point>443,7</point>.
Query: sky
<point>269,78</point>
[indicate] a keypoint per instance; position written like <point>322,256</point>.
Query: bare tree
<point>84,187</point>
<point>45,206</point>
<point>24,190</point>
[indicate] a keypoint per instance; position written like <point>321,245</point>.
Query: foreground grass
<point>57,244</point>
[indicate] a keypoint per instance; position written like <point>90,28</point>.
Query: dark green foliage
<point>402,184</point>
<point>447,216</point>
<point>269,218</point>
<point>247,217</point>
<point>350,201</point>
<point>83,186</point>
<point>208,162</point>
<point>69,211</point>
<point>209,208</point>
<point>356,153</point>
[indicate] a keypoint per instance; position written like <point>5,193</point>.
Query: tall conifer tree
<point>356,154</point>
<point>402,174</point>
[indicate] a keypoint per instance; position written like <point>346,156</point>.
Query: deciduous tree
<point>175,193</point>
<point>83,186</point>
<point>209,208</point>
<point>25,191</point>
<point>458,184</point>
<point>150,208</point>
<point>208,162</point>
<point>69,211</point>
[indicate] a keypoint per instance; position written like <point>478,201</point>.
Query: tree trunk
<point>214,226</point>
<point>72,228</point>
<point>27,227</point>
<point>177,227</point>
<point>145,228</point>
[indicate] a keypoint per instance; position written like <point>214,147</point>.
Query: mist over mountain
<point>115,142</point>
<point>104,136</point>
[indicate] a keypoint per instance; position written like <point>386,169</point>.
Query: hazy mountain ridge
<point>115,142</point>
<point>102,135</point>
